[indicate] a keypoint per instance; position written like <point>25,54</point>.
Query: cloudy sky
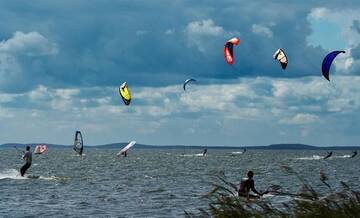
<point>61,63</point>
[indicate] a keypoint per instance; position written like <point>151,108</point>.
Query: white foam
<point>11,174</point>
<point>314,157</point>
<point>193,155</point>
<point>236,152</point>
<point>14,174</point>
<point>343,156</point>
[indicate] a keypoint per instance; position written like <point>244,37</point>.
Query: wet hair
<point>28,148</point>
<point>250,174</point>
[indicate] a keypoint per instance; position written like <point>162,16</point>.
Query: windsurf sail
<point>125,93</point>
<point>40,149</point>
<point>78,143</point>
<point>328,155</point>
<point>281,57</point>
<point>126,148</point>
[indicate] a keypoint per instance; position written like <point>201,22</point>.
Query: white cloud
<point>262,30</point>
<point>203,33</point>
<point>40,93</point>
<point>319,13</point>
<point>276,106</point>
<point>204,27</point>
<point>31,44</point>
<point>301,119</point>
<point>344,19</point>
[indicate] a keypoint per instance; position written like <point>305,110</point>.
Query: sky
<point>61,63</point>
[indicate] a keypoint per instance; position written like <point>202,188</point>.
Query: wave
<point>10,174</point>
<point>314,157</point>
<point>14,174</point>
<point>193,155</point>
<point>343,156</point>
<point>318,157</point>
<point>236,152</point>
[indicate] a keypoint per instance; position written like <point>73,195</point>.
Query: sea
<point>155,182</point>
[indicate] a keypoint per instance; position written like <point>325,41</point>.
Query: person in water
<point>328,155</point>
<point>354,154</point>
<point>28,159</point>
<point>247,185</point>
<point>205,151</point>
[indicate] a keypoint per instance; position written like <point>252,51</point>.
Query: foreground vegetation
<point>308,202</point>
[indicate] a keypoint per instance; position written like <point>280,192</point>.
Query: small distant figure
<point>28,159</point>
<point>125,154</point>
<point>244,151</point>
<point>328,155</point>
<point>354,154</point>
<point>248,184</point>
<point>205,151</point>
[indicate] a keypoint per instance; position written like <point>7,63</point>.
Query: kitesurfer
<point>205,151</point>
<point>28,159</point>
<point>244,151</point>
<point>248,184</point>
<point>354,154</point>
<point>125,153</point>
<point>328,155</point>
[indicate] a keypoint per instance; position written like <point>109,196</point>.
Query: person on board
<point>125,153</point>
<point>247,185</point>
<point>28,159</point>
<point>205,151</point>
<point>354,154</point>
<point>328,155</point>
<point>244,150</point>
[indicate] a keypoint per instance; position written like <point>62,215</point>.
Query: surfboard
<point>32,177</point>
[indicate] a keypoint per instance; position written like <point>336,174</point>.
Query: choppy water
<point>150,182</point>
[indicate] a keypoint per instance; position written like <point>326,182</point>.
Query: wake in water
<point>318,157</point>
<point>314,157</point>
<point>193,155</point>
<point>14,174</point>
<point>10,174</point>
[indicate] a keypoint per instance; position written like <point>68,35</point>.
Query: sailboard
<point>126,148</point>
<point>78,143</point>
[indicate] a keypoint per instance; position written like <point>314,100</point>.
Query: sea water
<point>152,182</point>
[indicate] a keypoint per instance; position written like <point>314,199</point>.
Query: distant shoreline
<point>266,147</point>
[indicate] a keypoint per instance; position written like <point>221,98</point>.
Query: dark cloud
<point>104,43</point>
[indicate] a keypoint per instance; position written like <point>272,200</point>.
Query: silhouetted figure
<point>244,151</point>
<point>247,185</point>
<point>28,159</point>
<point>328,155</point>
<point>125,154</point>
<point>205,151</point>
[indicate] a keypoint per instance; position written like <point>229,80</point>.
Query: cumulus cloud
<point>31,44</point>
<point>204,27</point>
<point>301,119</point>
<point>15,54</point>
<point>344,19</point>
<point>203,33</point>
<point>281,107</point>
<point>262,30</point>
